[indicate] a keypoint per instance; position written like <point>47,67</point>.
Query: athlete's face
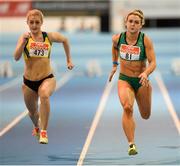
<point>35,23</point>
<point>133,23</point>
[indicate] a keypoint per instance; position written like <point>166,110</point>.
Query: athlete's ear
<point>27,22</point>
<point>125,22</point>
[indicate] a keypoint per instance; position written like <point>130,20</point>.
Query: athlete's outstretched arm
<point>150,53</point>
<point>115,63</point>
<point>20,46</point>
<point>57,37</point>
<point>114,56</point>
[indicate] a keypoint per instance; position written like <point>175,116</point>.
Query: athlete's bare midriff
<point>37,68</point>
<point>132,68</point>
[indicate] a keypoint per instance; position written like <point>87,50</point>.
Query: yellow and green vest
<point>35,49</point>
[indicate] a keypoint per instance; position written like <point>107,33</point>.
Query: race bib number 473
<point>38,49</point>
<point>129,52</point>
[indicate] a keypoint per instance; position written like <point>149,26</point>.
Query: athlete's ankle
<point>131,143</point>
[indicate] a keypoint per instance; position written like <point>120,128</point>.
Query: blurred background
<point>89,26</point>
<point>90,17</point>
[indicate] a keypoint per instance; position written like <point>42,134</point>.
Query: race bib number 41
<point>129,52</point>
<point>38,49</point>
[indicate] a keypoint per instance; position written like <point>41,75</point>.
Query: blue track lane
<point>73,107</point>
<point>157,139</point>
<point>72,112</point>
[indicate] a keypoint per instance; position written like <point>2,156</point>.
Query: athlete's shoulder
<point>115,37</point>
<point>47,36</point>
<point>147,40</point>
<point>57,37</point>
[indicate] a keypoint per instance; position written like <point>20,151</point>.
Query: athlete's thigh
<point>47,87</point>
<point>30,98</point>
<point>126,93</point>
<point>143,98</point>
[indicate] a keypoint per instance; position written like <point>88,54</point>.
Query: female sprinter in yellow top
<point>134,48</point>
<point>39,81</point>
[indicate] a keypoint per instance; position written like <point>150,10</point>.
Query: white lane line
<point>65,78</point>
<point>95,122</point>
<point>10,83</point>
<point>13,123</point>
<point>167,99</point>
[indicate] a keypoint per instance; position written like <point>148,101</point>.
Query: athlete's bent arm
<point>150,56</point>
<point>20,46</point>
<point>114,61</point>
<point>57,37</point>
<point>151,59</point>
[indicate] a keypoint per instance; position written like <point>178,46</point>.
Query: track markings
<point>167,99</point>
<point>95,122</point>
<point>10,84</point>
<point>65,78</point>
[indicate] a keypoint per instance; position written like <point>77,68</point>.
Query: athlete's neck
<point>131,39</point>
<point>132,36</point>
<point>37,36</point>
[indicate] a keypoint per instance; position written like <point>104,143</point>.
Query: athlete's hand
<point>144,79</point>
<point>25,36</point>
<point>70,65</point>
<point>112,73</point>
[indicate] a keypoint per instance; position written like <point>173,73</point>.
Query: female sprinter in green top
<point>134,48</point>
<point>39,81</point>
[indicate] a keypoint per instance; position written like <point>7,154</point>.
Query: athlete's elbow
<point>65,41</point>
<point>155,65</point>
<point>16,58</point>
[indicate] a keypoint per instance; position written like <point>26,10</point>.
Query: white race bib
<point>128,52</point>
<point>38,49</point>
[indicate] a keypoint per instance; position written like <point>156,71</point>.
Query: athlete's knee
<point>43,94</point>
<point>44,97</point>
<point>146,115</point>
<point>128,109</point>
